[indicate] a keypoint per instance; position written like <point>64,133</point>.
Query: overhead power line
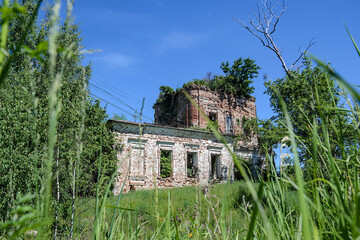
<point>121,109</point>
<point>111,88</point>
<point>118,99</point>
<point>122,93</point>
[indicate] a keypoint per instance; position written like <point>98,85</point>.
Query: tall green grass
<point>326,206</point>
<point>191,212</point>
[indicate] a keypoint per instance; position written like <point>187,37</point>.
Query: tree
<point>237,79</point>
<point>311,97</point>
<point>263,25</point>
<point>81,133</point>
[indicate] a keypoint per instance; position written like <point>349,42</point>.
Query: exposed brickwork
<point>143,143</point>
<point>228,111</point>
<point>142,146</point>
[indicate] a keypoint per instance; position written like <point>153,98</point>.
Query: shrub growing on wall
<point>165,164</point>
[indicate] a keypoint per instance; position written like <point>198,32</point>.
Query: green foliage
<point>304,93</point>
<point>248,127</point>
<point>165,164</point>
<point>291,206</point>
<point>165,102</point>
<point>26,117</point>
<point>23,217</point>
<point>287,207</point>
<point>195,127</point>
<point>288,169</point>
<point>192,212</point>
<point>165,96</point>
<point>237,81</point>
<point>198,82</point>
<point>97,137</point>
<point>247,165</point>
<point>119,117</point>
<point>214,123</point>
<point>268,132</point>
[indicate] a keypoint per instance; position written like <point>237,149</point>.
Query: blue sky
<point>148,43</point>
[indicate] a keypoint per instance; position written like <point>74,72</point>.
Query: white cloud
<point>117,60</point>
<point>111,18</point>
<point>176,40</point>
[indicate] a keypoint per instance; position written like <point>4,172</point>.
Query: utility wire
<point>165,115</point>
<point>118,99</point>
<point>122,93</point>
<point>121,109</point>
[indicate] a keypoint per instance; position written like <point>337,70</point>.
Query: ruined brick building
<point>178,150</point>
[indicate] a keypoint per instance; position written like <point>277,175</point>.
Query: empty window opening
<point>229,124</point>
<point>191,165</point>
<point>165,164</point>
<point>237,174</point>
<point>215,167</point>
<point>246,163</point>
<point>212,116</point>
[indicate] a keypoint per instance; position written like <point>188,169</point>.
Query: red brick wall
<point>184,114</point>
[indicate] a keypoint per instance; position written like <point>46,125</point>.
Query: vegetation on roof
<point>236,81</point>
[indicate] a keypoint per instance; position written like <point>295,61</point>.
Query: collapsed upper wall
<point>225,109</point>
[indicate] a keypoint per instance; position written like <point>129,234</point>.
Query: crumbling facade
<point>177,151</point>
<point>227,110</point>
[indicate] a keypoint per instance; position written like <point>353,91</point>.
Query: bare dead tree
<point>262,24</point>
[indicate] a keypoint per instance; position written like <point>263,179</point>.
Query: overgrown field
<point>58,159</point>
<point>197,211</point>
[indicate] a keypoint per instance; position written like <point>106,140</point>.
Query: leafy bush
<point>165,164</point>
<point>237,81</point>
<point>166,95</point>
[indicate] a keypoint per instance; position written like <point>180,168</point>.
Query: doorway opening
<point>191,165</point>
<point>215,167</point>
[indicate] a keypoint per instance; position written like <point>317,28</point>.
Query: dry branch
<point>263,25</point>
